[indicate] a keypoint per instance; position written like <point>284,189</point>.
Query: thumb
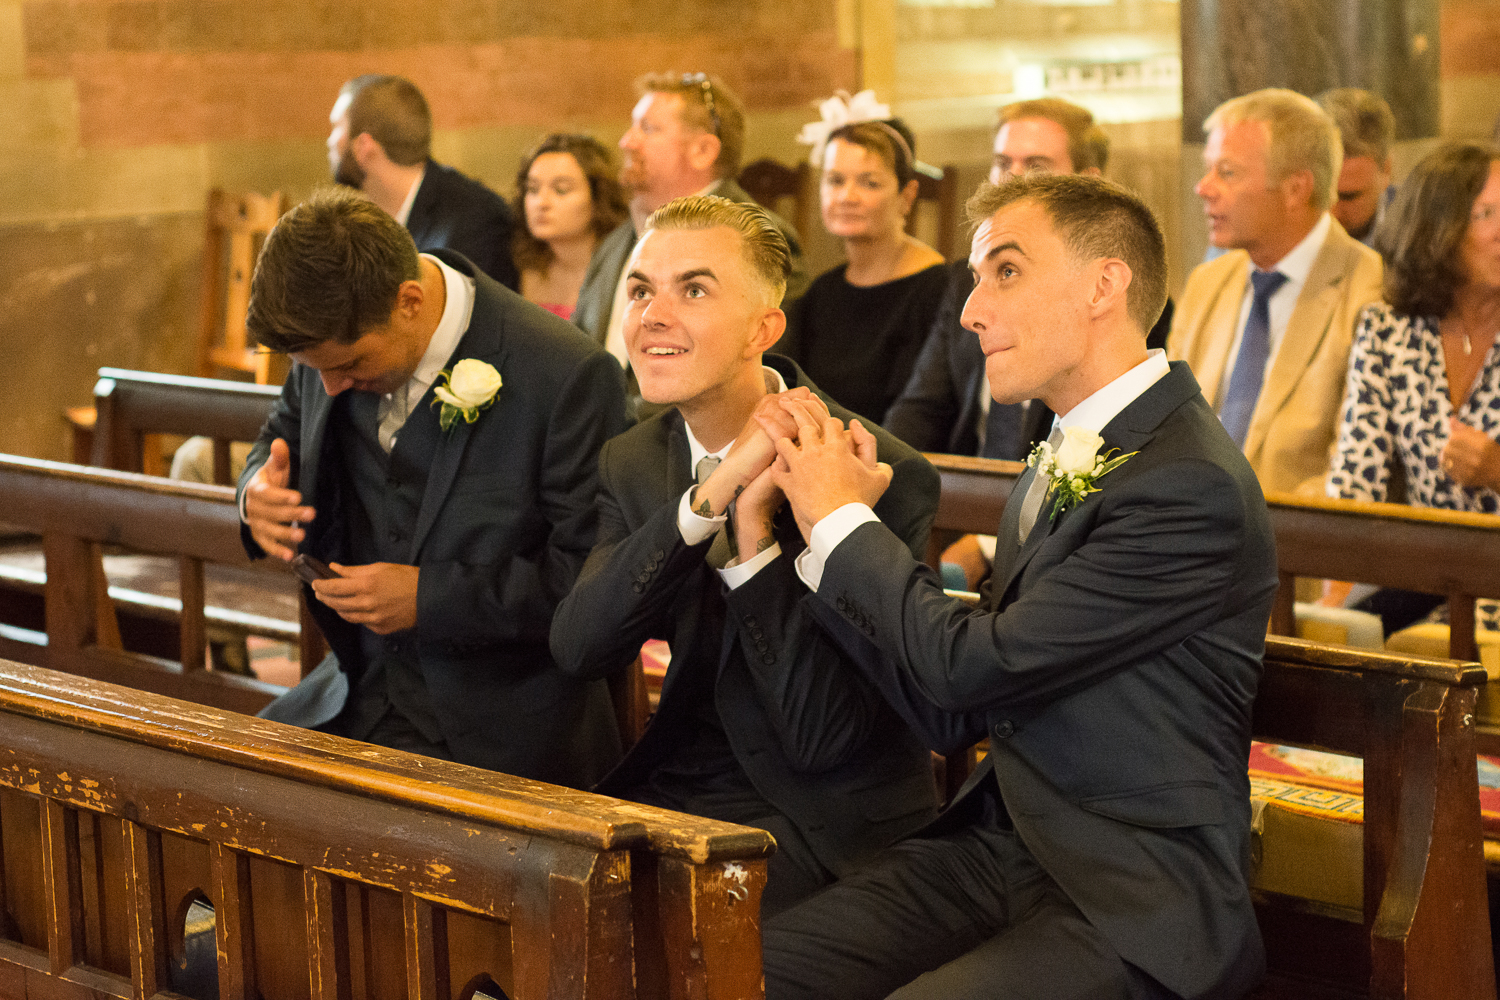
<point>279,464</point>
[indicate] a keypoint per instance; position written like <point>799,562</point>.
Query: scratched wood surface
<point>339,869</point>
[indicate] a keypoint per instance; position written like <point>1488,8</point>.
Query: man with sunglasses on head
<point>686,135</point>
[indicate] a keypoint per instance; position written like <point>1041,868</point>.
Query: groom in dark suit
<point>436,442</point>
<point>760,721</point>
<point>1102,847</point>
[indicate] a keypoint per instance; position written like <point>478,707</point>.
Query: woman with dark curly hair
<point>1424,372</point>
<point>568,198</point>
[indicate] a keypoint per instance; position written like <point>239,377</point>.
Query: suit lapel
<point>482,340</point>
<point>318,405</point>
<point>417,220</point>
<point>1309,324</point>
<point>1221,324</point>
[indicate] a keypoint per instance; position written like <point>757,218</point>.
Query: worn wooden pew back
<point>336,869</point>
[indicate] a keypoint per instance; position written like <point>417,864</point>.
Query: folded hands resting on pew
<point>381,596</point>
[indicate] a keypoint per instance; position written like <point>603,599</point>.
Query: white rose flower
<point>1079,451</point>
<point>473,383</point>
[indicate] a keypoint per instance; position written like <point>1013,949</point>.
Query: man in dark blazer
<point>760,721</point>
<point>1102,847</point>
<point>436,443</point>
<point>380,142</point>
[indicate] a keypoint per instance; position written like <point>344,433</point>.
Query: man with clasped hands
<point>1102,848</point>
<point>436,442</point>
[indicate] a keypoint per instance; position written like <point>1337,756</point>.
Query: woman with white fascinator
<point>858,329</point>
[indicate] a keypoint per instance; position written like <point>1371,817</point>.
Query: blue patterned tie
<point>1250,363</point>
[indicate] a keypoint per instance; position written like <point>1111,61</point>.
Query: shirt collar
<point>457,309</point>
<point>404,212</point>
<point>1095,412</point>
<point>696,451</point>
<point>1299,261</point>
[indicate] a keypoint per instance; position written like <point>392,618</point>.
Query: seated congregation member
<point>381,143</point>
<point>946,405</point>
<point>1101,848</point>
<point>1366,128</point>
<point>1267,326</point>
<point>1424,380</point>
<point>859,328</point>
<point>436,444</point>
<point>567,199</point>
<point>761,721</point>
<point>686,136</point>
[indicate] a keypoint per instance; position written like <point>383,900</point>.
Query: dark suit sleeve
<point>1156,566</point>
<point>925,413</point>
<point>478,603</point>
<point>285,422</point>
<point>484,238</point>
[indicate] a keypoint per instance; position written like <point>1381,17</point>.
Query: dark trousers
<point>966,916</point>
<point>392,730</point>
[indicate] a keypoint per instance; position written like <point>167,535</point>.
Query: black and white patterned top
<point>1397,398</point>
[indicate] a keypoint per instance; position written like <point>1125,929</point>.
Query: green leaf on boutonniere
<point>471,386</point>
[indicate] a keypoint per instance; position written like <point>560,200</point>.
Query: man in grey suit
<point>436,444</point>
<point>760,720</point>
<point>1102,848</point>
<point>686,135</point>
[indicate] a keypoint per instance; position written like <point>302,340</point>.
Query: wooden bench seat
<point>335,869</point>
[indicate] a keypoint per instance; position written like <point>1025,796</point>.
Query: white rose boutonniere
<point>1074,467</point>
<point>472,385</point>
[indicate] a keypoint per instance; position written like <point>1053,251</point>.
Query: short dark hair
<point>1425,225</point>
<point>605,192</point>
<point>394,113</point>
<point>891,140</point>
<point>1088,146</point>
<point>1094,218</point>
<point>330,270</point>
<point>727,120</point>
<point>1364,121</point>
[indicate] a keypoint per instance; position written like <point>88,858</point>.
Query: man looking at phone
<point>436,445</point>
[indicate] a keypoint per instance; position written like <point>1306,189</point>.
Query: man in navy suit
<point>436,442</point>
<point>380,142</point>
<point>1101,849</point>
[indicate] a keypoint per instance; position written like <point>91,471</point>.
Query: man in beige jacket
<point>1266,327</point>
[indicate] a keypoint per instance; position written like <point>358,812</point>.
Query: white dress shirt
<point>1094,414</point>
<point>697,529</point>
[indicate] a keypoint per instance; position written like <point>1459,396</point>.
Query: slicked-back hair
<point>1088,146</point>
<point>695,114</point>
<point>1301,137</point>
<point>891,140</point>
<point>1425,225</point>
<point>329,271</point>
<point>605,192</point>
<point>1365,123</point>
<point>1094,218</point>
<point>394,113</point>
<point>764,246</point>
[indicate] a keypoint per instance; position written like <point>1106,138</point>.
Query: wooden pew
<point>337,869</point>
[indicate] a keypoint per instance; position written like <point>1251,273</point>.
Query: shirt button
<point>1004,728</point>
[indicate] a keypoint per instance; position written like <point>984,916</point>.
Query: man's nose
<point>1201,189</point>
<point>333,384</point>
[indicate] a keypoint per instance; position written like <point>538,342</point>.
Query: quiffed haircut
<point>1302,137</point>
<point>395,114</point>
<point>695,114</point>
<point>765,247</point>
<point>1365,123</point>
<point>1425,226</point>
<point>1094,218</point>
<point>1088,146</point>
<point>329,271</point>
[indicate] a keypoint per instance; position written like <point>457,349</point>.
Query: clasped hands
<point>792,450</point>
<point>1470,458</point>
<point>380,596</point>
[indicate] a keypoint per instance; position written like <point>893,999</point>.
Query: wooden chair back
<point>770,182</point>
<point>335,869</point>
<point>941,194</point>
<point>236,225</point>
<point>135,406</point>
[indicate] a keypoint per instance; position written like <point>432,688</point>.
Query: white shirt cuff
<point>826,536</point>
<point>986,545</point>
<point>695,528</point>
<point>734,574</point>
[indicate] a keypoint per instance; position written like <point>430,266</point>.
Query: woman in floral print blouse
<point>1424,373</point>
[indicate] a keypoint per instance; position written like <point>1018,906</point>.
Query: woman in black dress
<point>858,329</point>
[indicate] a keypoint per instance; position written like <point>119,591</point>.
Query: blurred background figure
<point>1364,188</point>
<point>568,198</point>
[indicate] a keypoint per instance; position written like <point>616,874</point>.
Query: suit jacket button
<point>658,555</point>
<point>638,587</point>
<point>762,646</point>
<point>768,659</point>
<point>1004,728</point>
<point>841,604</point>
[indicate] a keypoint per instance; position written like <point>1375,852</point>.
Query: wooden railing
<point>336,869</point>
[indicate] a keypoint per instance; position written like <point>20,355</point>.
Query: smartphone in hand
<point>310,569</point>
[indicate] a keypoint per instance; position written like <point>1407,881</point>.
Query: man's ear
<point>409,298</point>
<point>703,151</point>
<point>1091,172</point>
<point>365,149</point>
<point>1111,281</point>
<point>1297,189</point>
<point>768,330</point>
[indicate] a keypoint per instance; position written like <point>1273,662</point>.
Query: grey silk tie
<point>1031,505</point>
<point>719,552</point>
<point>706,466</point>
<point>1250,364</point>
